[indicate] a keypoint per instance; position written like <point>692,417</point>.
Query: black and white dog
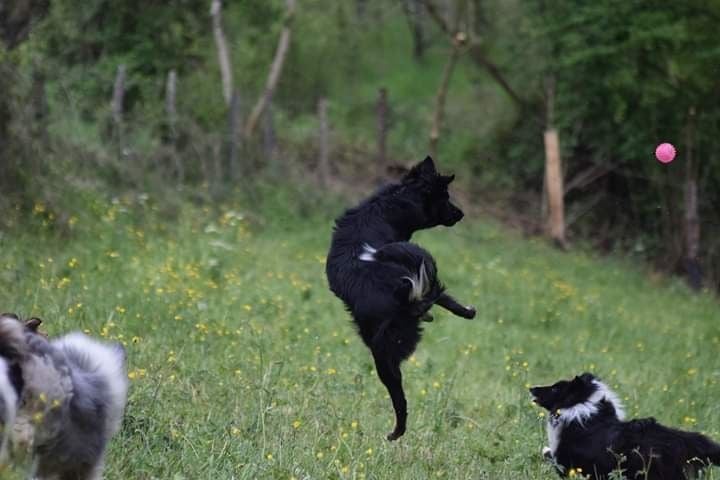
<point>387,283</point>
<point>61,399</point>
<point>587,433</point>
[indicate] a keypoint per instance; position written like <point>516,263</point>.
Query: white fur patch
<point>554,429</point>
<point>9,399</point>
<point>105,360</point>
<point>368,253</point>
<point>582,411</point>
<point>420,283</point>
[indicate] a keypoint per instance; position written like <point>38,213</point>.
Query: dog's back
<point>80,386</point>
<point>666,453</point>
<point>98,372</point>
<point>93,413</point>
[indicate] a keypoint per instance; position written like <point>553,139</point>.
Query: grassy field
<point>243,364</point>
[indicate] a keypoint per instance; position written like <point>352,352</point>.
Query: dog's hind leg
<point>388,369</point>
<point>449,303</point>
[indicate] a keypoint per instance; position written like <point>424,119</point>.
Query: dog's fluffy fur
<point>69,396</point>
<point>586,431</point>
<point>387,283</point>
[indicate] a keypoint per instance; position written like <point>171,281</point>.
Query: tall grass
<point>243,365</point>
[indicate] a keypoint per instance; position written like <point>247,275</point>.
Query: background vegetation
<point>624,76</point>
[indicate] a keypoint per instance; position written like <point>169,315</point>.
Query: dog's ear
<point>586,378</point>
<point>33,324</point>
<point>426,168</point>
<point>447,179</point>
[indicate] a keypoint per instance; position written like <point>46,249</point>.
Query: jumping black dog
<point>387,283</point>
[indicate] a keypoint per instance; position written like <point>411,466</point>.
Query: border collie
<point>63,399</point>
<point>587,433</point>
<point>387,283</point>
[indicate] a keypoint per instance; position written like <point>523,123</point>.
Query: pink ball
<point>665,152</point>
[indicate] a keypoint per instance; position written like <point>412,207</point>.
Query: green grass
<point>244,365</point>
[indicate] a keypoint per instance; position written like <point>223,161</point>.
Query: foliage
<point>626,76</point>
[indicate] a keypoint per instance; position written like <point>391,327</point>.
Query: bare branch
<point>437,16</point>
<point>275,69</point>
<point>476,53</point>
<point>442,92</point>
<point>223,51</point>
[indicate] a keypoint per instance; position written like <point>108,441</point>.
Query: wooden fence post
<point>117,101</point>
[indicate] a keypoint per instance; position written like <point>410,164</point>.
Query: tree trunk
<point>691,218</point>
<point>170,109</point>
<point>382,129</point>
<point>223,51</point>
<point>171,112</point>
<point>275,69</point>
<point>231,164</point>
<point>477,53</point>
<point>269,137</point>
<point>324,161</point>
<point>413,13</point>
<point>17,18</point>
<point>39,106</point>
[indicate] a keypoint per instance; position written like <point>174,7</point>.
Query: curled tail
<point>419,284</point>
<point>420,288</point>
<point>92,359</point>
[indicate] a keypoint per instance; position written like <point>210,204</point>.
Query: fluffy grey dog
<point>69,394</point>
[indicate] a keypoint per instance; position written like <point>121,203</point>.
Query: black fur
<point>602,442</point>
<point>373,268</point>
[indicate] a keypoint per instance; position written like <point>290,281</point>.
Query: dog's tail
<point>425,288</point>
<point>419,283</point>
<point>421,287</point>
<point>90,358</point>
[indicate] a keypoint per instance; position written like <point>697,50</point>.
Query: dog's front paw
<point>547,453</point>
<point>470,312</point>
